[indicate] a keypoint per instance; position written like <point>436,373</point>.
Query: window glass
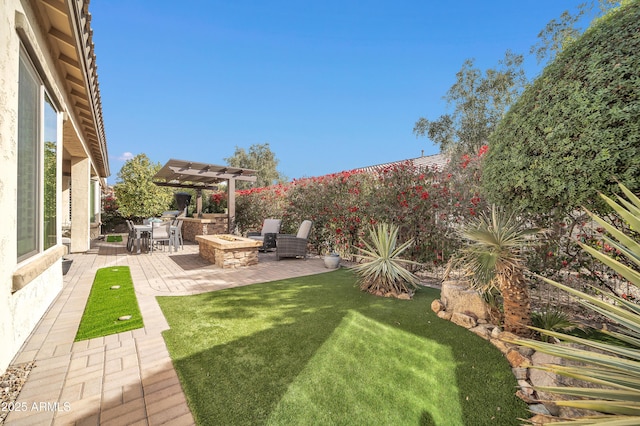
<point>50,172</point>
<point>28,160</point>
<point>92,202</point>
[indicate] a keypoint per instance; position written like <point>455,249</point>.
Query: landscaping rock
<point>526,388</point>
<point>539,409</point>
<point>505,335</point>
<point>525,397</point>
<point>495,333</point>
<point>502,346</point>
<point>521,373</point>
<point>517,360</point>
<point>444,315</point>
<point>463,320</point>
<point>458,297</point>
<point>482,331</point>
<point>528,352</point>
<point>437,306</point>
<point>403,296</point>
<point>11,383</point>
<point>543,419</point>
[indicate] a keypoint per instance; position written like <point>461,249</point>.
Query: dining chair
<point>160,233</point>
<point>176,234</point>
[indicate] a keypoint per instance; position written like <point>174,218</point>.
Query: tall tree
<point>560,32</point>
<point>259,158</point>
<point>138,196</point>
<point>479,101</point>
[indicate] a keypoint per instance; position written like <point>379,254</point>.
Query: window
<point>37,164</point>
<point>92,202</point>
<point>50,173</point>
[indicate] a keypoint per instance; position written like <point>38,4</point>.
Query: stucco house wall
<point>47,33</point>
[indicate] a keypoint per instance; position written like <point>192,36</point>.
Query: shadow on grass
<point>316,350</point>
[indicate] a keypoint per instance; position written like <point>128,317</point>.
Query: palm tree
<point>492,259</point>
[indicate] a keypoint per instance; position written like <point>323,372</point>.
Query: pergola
<point>199,176</point>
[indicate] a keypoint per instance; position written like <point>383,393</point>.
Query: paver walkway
<point>126,378</point>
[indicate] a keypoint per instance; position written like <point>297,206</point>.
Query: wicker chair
<point>270,228</point>
<point>294,245</point>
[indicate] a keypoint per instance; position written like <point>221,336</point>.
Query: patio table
<point>147,228</point>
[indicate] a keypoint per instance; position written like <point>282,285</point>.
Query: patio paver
<point>127,378</point>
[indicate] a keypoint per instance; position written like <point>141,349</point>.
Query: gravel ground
<point>10,385</point>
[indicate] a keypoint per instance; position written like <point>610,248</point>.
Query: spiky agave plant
<point>382,268</point>
<point>616,368</point>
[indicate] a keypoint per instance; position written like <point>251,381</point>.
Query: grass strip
<point>105,305</point>
<point>317,350</point>
<point>114,238</point>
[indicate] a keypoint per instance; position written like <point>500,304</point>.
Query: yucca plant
<point>616,368</point>
<point>382,268</point>
<point>492,259</point>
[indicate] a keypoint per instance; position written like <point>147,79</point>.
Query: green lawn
<point>114,238</point>
<point>106,305</point>
<point>317,350</point>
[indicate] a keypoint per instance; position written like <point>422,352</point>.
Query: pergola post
<point>231,204</point>
<point>199,202</point>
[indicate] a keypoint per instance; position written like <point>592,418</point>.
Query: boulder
<point>458,297</point>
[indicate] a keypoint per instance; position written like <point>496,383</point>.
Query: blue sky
<point>330,85</point>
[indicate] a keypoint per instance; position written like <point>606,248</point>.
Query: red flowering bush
<point>218,202</point>
<point>426,205</point>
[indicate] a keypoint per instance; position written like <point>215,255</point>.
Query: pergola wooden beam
<point>199,176</point>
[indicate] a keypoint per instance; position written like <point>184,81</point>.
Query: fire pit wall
<point>229,254</point>
<point>209,224</point>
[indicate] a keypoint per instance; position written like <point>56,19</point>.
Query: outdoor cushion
<point>304,230</point>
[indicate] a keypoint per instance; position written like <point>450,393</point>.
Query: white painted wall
<point>21,311</point>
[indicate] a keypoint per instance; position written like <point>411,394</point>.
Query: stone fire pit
<point>229,251</point>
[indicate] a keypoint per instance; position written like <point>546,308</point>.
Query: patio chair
<point>176,234</point>
<point>160,233</point>
<point>270,228</point>
<point>288,245</point>
<point>131,239</point>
